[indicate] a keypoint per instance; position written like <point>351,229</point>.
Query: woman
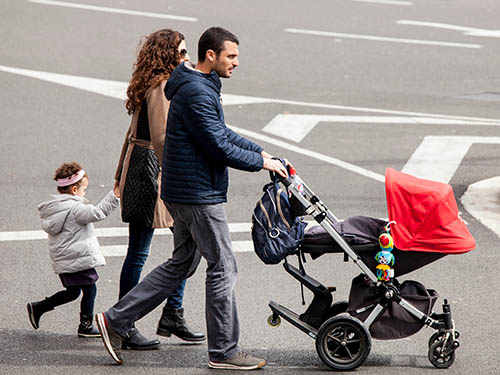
<point>138,175</point>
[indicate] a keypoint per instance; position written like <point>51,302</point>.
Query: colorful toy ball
<point>386,242</point>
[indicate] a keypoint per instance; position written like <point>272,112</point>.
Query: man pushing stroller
<point>199,148</point>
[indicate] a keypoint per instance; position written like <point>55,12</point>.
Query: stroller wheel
<point>343,342</point>
<point>273,321</point>
<point>441,356</point>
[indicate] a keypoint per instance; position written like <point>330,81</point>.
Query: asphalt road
<point>358,59</point>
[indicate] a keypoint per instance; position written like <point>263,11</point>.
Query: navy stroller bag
<point>276,232</point>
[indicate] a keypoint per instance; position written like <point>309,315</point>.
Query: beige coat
<point>157,115</point>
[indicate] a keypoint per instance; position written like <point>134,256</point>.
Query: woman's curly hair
<point>156,60</point>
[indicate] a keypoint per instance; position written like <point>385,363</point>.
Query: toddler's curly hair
<point>66,170</point>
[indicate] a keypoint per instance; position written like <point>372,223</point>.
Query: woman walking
<point>138,172</point>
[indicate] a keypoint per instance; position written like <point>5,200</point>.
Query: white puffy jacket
<point>68,220</point>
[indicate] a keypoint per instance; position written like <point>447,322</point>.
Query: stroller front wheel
<point>440,355</point>
<point>343,342</point>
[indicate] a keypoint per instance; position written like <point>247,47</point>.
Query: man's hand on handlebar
<point>276,166</point>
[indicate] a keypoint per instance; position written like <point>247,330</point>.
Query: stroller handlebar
<point>286,181</point>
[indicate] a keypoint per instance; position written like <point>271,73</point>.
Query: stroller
<point>423,226</point>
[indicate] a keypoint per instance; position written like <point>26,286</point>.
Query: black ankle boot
<point>172,322</point>
<point>136,341</point>
<point>86,328</point>
<point>36,310</point>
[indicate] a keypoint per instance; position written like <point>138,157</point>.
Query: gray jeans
<point>202,227</point>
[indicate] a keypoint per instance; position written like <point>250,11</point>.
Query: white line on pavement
<point>30,235</point>
<point>382,39</point>
<point>114,10</point>
<point>312,154</point>
<point>121,250</point>
<point>387,2</point>
<point>472,31</point>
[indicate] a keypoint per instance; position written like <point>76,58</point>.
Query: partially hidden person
<point>73,247</point>
<point>138,177</point>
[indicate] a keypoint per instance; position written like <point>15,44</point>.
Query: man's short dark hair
<point>214,38</point>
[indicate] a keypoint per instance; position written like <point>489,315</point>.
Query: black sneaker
<point>241,361</point>
<point>112,340</point>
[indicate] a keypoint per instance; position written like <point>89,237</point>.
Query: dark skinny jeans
<point>139,244</point>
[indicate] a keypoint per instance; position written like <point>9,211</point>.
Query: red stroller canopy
<point>426,215</point>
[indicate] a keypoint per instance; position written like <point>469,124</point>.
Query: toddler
<point>74,251</point>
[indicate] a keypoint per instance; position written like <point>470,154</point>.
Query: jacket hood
<point>55,211</point>
<point>185,73</point>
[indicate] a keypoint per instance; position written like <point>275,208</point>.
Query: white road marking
<point>482,200</point>
<point>106,87</point>
<point>297,127</point>
<point>30,235</point>
<point>382,39</point>
<point>121,250</point>
<point>228,99</point>
<point>464,29</point>
<point>388,2</point>
<point>114,10</point>
<point>117,90</point>
<point>438,157</point>
<point>311,154</point>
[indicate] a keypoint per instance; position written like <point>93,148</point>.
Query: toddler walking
<point>73,248</point>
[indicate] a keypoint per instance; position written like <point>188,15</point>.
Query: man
<point>199,148</point>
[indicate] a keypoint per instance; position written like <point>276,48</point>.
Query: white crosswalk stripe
<point>121,249</point>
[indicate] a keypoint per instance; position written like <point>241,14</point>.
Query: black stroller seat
<point>361,233</point>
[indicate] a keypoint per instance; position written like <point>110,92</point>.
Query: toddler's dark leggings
<point>71,293</point>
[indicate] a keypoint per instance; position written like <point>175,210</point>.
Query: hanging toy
<point>384,257</point>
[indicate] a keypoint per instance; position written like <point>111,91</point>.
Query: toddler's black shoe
<point>36,310</point>
<point>86,328</point>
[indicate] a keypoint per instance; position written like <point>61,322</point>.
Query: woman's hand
<point>116,189</point>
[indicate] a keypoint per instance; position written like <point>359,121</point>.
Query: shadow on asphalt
<point>39,348</point>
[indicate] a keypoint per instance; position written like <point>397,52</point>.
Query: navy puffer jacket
<point>198,145</point>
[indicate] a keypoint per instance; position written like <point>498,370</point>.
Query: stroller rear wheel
<point>343,342</point>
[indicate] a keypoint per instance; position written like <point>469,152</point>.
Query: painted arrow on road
<point>297,127</point>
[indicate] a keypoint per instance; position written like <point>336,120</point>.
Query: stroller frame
<point>343,342</point>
